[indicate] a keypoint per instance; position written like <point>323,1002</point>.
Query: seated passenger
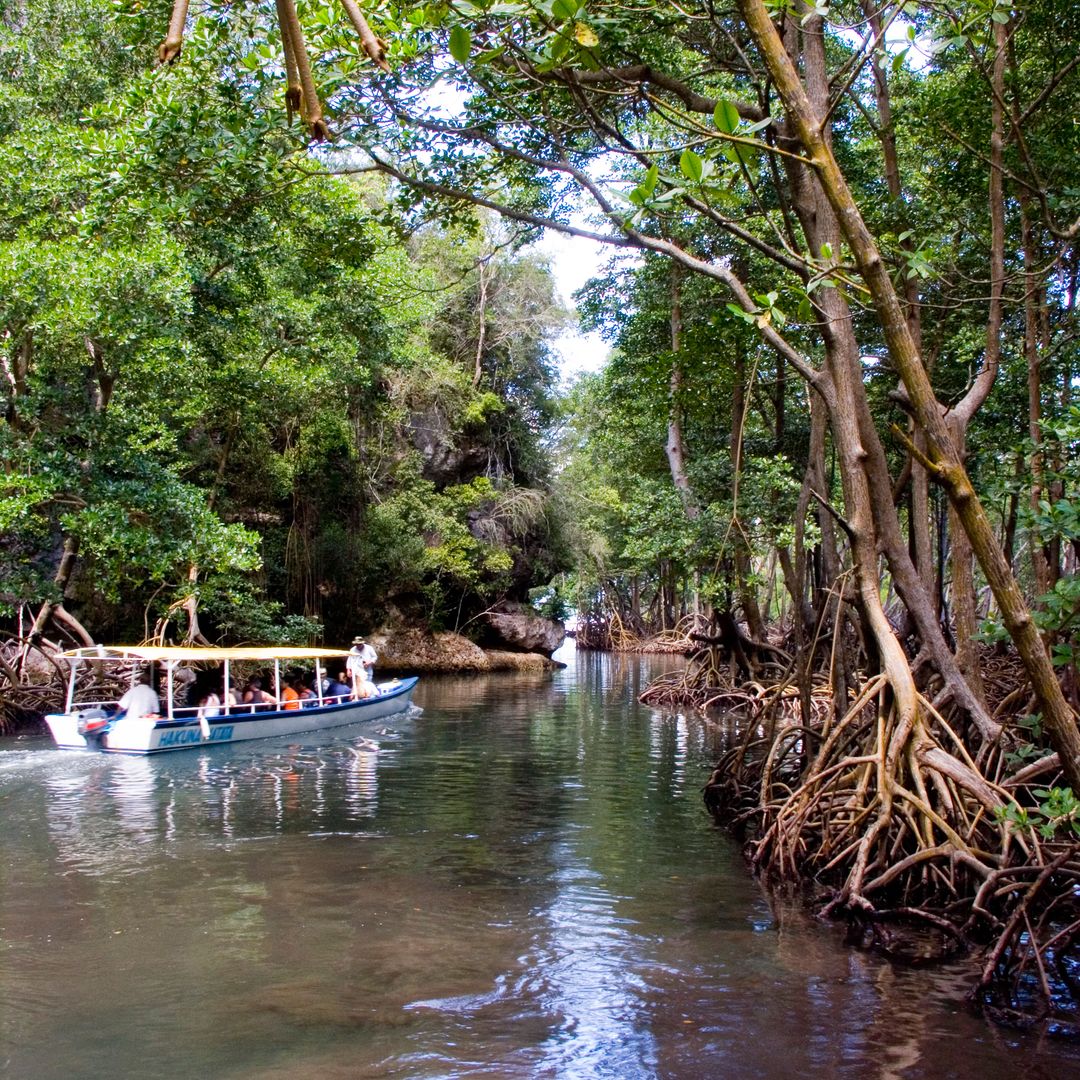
<point>338,690</point>
<point>140,700</point>
<point>209,705</point>
<point>290,699</point>
<point>256,697</point>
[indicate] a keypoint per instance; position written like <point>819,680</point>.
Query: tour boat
<point>98,725</point>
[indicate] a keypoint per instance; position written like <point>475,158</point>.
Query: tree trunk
<point>747,599</point>
<point>1039,562</point>
<point>674,448</point>
<point>60,582</point>
<point>942,459</point>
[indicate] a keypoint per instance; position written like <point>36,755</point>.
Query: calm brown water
<point>521,882</point>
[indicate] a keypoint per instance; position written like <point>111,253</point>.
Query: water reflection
<point>586,981</point>
<point>362,783</point>
<point>116,815</point>
<point>520,883</point>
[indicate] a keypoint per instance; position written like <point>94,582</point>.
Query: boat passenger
<point>140,700</point>
<point>256,696</point>
<point>290,698</point>
<point>307,695</point>
<point>209,705</point>
<point>338,690</point>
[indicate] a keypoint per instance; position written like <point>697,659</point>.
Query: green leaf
<point>726,117</point>
<point>558,47</point>
<point>564,9</point>
<point>460,44</point>
<point>739,153</point>
<point>691,165</point>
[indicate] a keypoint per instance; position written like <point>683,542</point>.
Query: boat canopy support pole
<point>71,686</point>
<point>226,687</point>
<point>318,680</point>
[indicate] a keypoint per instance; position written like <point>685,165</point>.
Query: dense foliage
<point>876,199</point>
<point>237,390</point>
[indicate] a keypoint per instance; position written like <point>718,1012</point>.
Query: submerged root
<point>913,840</point>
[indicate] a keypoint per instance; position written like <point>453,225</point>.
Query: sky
<point>573,261</point>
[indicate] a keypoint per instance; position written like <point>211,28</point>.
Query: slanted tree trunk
<point>54,610</point>
<point>942,459</point>
<point>850,415</point>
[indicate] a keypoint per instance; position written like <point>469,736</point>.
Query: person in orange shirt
<point>290,699</point>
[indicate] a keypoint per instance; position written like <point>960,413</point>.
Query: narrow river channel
<point>520,881</point>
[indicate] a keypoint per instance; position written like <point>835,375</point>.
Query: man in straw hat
<point>360,666</point>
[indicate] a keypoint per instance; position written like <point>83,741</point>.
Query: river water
<point>520,881</point>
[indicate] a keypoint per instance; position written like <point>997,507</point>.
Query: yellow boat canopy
<point>178,654</point>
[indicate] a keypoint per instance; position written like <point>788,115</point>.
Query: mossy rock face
<point>447,457</point>
<point>418,651</point>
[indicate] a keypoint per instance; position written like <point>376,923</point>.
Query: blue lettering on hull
<point>189,736</point>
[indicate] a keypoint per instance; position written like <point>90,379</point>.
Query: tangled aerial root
<point>908,834</point>
<point>31,683</point>
<point>709,683</point>
<point>34,681</point>
<point>608,632</point>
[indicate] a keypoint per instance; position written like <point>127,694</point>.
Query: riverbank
<point>421,652</point>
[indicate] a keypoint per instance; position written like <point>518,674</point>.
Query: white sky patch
<point>574,260</point>
<point>897,39</point>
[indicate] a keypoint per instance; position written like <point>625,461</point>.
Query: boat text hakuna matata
<point>105,725</point>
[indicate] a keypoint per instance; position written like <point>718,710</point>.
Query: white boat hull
<point>150,735</point>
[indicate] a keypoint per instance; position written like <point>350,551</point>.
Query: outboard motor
<point>92,725</point>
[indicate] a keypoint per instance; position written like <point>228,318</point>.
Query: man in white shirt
<point>361,661</point>
<point>140,700</point>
